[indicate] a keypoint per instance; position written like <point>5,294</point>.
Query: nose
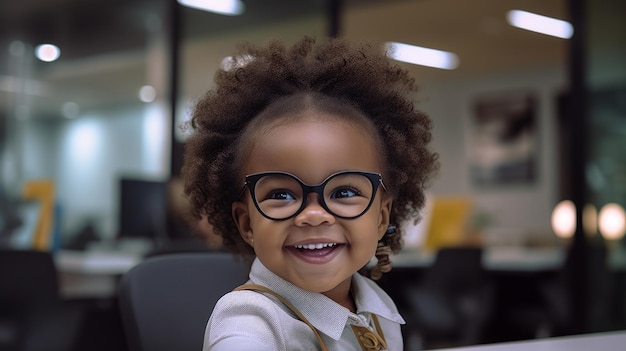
<point>313,213</point>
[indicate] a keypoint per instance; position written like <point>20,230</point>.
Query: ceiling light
<point>223,7</point>
<point>422,56</point>
<point>147,93</point>
<point>540,24</point>
<point>612,221</point>
<point>564,219</point>
<point>47,52</point>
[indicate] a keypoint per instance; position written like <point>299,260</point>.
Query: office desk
<point>92,274</point>
<point>526,282</point>
<point>611,341</point>
<point>494,259</point>
<point>95,273</point>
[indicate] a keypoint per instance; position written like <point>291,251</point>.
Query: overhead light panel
<point>540,24</point>
<point>418,55</point>
<point>222,7</point>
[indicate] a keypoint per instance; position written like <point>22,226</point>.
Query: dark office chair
<point>166,300</point>
<point>32,314</point>
<point>550,314</point>
<point>452,304</point>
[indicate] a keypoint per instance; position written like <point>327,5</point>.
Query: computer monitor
<point>143,208</point>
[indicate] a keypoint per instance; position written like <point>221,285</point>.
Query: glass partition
<point>82,101</point>
<point>605,164</point>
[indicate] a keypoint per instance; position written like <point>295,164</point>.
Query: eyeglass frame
<point>251,180</point>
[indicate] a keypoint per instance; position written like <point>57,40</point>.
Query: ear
<point>385,215</point>
<point>242,220</point>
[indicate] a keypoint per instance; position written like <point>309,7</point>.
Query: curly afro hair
<point>361,76</point>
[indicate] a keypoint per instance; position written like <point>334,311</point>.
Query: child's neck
<point>342,294</point>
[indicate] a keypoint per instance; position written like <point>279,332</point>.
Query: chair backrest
<point>457,268</point>
<point>30,306</point>
<point>166,300</point>
<point>28,280</point>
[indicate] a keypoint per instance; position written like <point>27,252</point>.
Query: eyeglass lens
<point>280,195</point>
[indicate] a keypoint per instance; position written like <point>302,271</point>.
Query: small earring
<point>252,242</point>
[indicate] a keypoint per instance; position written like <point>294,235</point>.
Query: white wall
<point>37,151</point>
<point>524,210</point>
<point>86,156</point>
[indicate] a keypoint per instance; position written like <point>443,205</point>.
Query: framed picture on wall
<point>503,140</point>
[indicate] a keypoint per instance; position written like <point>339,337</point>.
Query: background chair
<point>32,315</point>
<point>551,312</point>
<point>166,300</point>
<point>452,304</point>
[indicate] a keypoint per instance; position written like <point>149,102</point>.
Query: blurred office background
<point>529,128</point>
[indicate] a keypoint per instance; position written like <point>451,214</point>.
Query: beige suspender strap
<point>256,287</point>
<point>378,328</point>
<point>370,340</point>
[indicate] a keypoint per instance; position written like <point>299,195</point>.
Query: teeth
<point>315,246</point>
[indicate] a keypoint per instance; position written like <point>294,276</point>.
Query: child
<point>296,160</point>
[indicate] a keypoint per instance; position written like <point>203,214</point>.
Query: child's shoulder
<point>254,318</point>
<point>244,298</point>
<point>250,304</point>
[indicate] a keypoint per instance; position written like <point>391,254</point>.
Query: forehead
<point>313,146</point>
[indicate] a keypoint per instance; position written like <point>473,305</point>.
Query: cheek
<point>264,229</point>
<point>366,234</point>
<point>257,221</point>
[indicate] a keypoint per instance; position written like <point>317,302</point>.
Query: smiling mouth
<point>316,253</point>
<point>318,246</point>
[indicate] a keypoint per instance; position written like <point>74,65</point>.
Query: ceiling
<point>477,31</point>
<point>104,41</point>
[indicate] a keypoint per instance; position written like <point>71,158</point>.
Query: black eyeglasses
<point>281,195</point>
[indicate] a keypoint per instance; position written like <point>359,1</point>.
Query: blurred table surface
<point>610,341</point>
<point>96,262</point>
<point>92,274</point>
<point>494,258</point>
<point>95,273</point>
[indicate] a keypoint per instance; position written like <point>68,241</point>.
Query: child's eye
<point>280,195</point>
<point>343,193</point>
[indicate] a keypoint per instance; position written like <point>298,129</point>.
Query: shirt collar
<point>325,314</point>
<point>369,297</point>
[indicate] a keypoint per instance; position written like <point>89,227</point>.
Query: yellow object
<point>448,222</point>
<point>42,191</point>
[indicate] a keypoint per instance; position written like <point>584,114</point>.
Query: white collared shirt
<point>249,320</point>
